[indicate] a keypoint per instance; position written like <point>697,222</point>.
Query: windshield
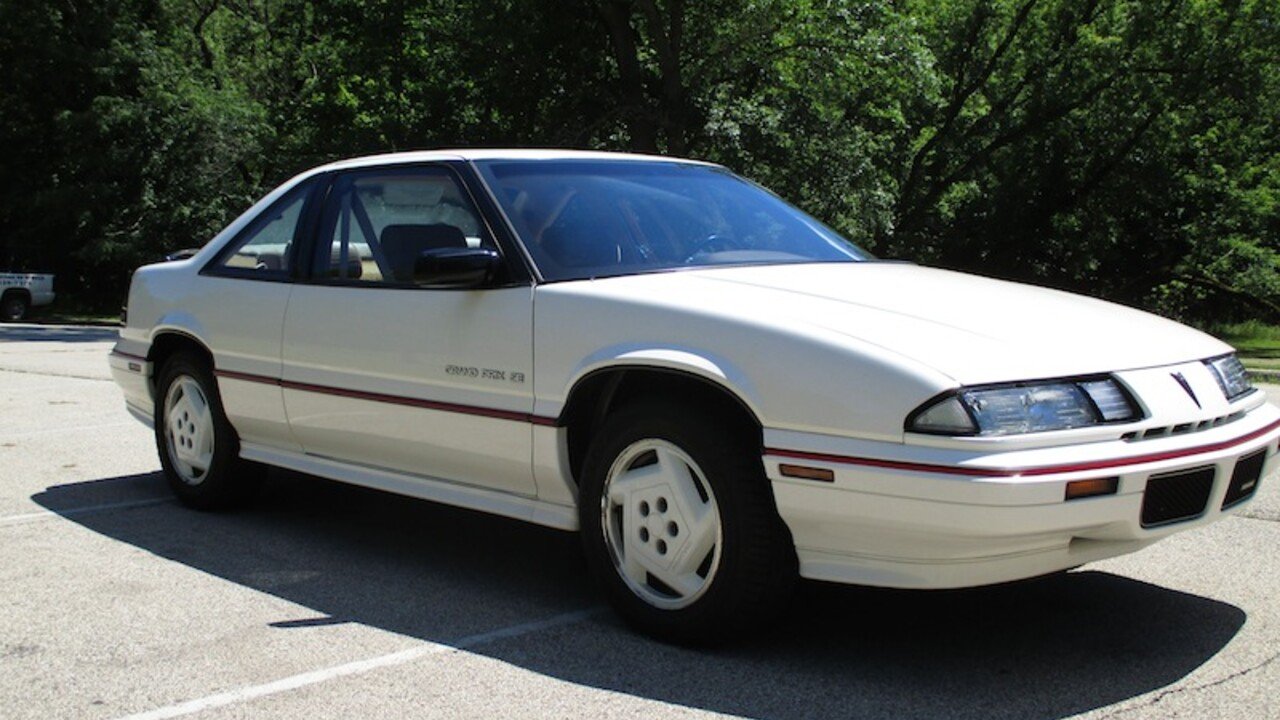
<point>598,218</point>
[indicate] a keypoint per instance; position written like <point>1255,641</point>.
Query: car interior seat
<point>355,266</point>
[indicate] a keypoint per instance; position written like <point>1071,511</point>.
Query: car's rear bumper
<point>904,516</point>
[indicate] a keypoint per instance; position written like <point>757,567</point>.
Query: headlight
<point>1025,408</point>
<point>1231,375</point>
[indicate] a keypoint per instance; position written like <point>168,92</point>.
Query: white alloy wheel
<point>661,524</point>
<point>189,431</point>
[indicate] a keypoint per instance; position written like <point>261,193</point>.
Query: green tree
<point>1117,147</point>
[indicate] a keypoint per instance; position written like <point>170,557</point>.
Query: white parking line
<point>70,512</point>
<point>360,666</point>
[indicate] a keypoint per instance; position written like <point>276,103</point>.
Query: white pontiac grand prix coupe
<point>717,391</point>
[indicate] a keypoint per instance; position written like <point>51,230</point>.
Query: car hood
<point>973,329</point>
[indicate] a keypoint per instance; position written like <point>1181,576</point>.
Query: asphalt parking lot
<point>328,601</point>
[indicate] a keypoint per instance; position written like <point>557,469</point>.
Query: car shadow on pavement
<point>1046,648</point>
<point>57,333</point>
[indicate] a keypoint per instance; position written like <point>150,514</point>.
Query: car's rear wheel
<point>198,448</point>
<point>14,307</point>
<point>679,524</point>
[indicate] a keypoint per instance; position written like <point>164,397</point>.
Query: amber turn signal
<point>808,473</point>
<point>1077,489</point>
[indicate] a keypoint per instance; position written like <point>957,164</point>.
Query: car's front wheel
<point>198,448</point>
<point>679,524</point>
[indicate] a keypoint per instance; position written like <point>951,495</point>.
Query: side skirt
<point>140,415</point>
<point>425,488</point>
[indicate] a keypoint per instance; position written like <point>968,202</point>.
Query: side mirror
<point>455,267</point>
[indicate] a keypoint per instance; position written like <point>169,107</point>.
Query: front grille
<point>1176,496</point>
<point>1181,429</point>
<point>1244,480</point>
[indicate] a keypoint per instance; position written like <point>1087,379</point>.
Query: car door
<point>381,373</point>
<point>237,308</point>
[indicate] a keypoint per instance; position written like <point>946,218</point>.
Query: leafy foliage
<point>1121,148</point>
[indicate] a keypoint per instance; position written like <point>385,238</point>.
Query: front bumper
<point>899,515</point>
<point>132,373</point>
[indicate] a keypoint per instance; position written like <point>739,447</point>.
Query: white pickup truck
<point>19,292</point>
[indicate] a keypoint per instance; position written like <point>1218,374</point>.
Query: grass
<point>71,316</point>
<point>1257,342</point>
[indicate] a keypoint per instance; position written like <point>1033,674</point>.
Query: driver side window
<point>377,224</point>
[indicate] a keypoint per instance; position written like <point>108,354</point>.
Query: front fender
<point>693,361</point>
<point>790,371</point>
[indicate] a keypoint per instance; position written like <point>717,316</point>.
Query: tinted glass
<point>596,218</point>
<point>378,223</point>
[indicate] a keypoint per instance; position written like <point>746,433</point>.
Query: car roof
<point>496,154</point>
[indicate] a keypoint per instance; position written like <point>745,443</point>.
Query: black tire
<point>756,568</point>
<point>14,307</point>
<point>226,481</point>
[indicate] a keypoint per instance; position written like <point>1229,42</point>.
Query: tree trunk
<point>640,119</point>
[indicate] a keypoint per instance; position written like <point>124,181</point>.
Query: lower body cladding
<point>888,519</point>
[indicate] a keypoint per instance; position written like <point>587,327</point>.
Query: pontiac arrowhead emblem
<point>1186,386</point>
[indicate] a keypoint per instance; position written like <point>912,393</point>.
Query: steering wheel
<point>706,243</point>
